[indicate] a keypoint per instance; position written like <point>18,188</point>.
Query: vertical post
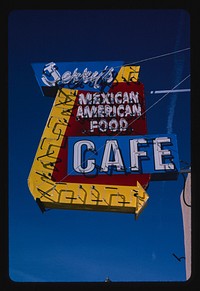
<point>185,200</point>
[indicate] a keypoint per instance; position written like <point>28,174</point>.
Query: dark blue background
<point>89,246</point>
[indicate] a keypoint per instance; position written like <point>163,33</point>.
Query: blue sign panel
<point>110,155</point>
<point>90,76</point>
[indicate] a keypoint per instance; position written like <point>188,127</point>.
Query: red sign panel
<point>120,111</point>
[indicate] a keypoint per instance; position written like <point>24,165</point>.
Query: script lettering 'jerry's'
<point>98,80</point>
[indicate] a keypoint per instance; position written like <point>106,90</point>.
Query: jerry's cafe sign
<point>107,134</point>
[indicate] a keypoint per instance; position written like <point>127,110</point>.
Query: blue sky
<point>82,246</point>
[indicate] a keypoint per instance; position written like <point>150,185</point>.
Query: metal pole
<point>170,91</point>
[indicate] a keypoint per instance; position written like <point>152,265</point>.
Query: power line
<point>161,98</point>
<point>155,57</point>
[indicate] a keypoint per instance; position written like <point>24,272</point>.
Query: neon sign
<point>97,76</point>
<point>154,154</point>
<point>96,79</point>
<point>117,107</point>
<point>95,153</point>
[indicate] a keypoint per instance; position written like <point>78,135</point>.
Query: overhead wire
<point>155,57</point>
